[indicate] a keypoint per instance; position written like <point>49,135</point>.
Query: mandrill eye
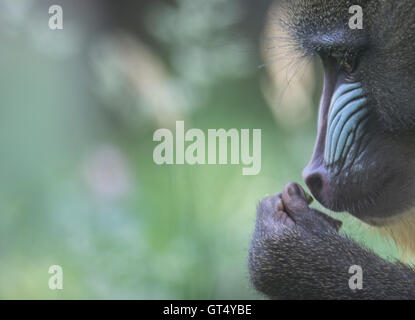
<point>347,66</point>
<point>345,61</point>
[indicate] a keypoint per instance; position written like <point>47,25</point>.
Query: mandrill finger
<point>294,198</point>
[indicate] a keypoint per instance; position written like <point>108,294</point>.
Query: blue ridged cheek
<point>346,117</point>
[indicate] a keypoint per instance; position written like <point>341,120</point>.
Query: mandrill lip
<point>374,204</point>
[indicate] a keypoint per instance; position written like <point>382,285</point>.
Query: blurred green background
<point>78,109</point>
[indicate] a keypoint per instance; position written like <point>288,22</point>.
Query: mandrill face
<point>364,156</point>
<point>358,166</point>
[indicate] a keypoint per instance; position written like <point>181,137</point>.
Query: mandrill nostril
<point>315,183</point>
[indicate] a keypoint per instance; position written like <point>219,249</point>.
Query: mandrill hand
<point>297,253</point>
<point>287,246</point>
<point>289,211</point>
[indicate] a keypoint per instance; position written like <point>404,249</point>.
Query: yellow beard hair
<point>402,232</point>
